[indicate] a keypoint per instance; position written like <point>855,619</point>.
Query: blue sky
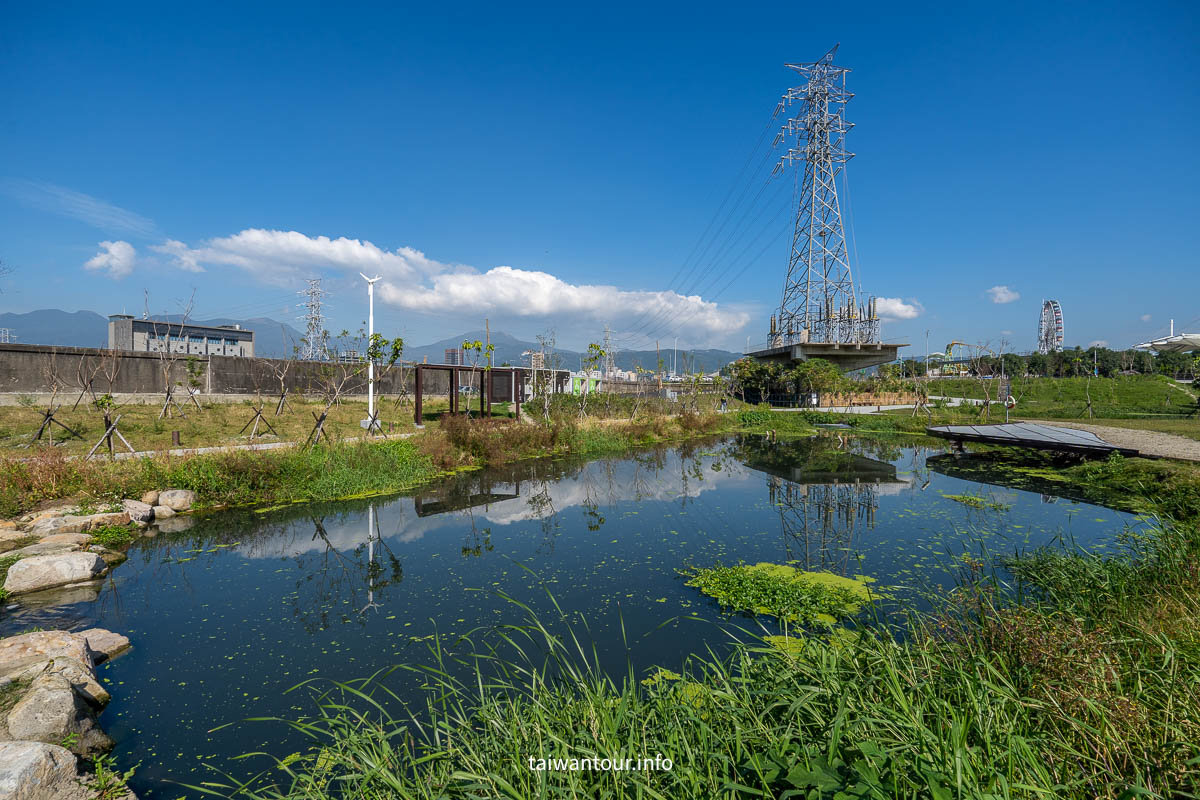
<point>554,166</point>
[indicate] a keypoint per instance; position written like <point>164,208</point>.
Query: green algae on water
<point>783,591</point>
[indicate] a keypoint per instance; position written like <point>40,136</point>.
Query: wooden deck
<point>1032,435</point>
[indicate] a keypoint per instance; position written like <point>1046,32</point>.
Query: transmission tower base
<point>846,356</point>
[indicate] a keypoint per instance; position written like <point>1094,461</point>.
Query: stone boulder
<point>44,548</point>
<point>44,644</point>
<point>51,711</point>
<point>178,499</point>
<point>44,572</point>
<point>12,539</point>
<point>104,644</point>
<point>68,538</point>
<point>80,676</point>
<point>76,524</point>
<point>163,512</point>
<point>138,511</point>
<point>150,498</point>
<point>39,771</point>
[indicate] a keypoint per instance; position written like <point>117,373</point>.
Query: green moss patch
<point>783,591</point>
<point>975,501</point>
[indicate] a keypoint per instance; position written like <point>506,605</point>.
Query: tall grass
<point>1057,698</point>
<point>219,479</point>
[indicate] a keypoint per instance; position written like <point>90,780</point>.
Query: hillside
<point>89,329</point>
<point>509,349</point>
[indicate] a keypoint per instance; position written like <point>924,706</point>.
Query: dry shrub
<point>496,441</point>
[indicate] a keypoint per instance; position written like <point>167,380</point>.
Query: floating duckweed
<point>784,591</point>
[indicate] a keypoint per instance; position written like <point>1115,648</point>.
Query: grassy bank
<point>1130,396</point>
<point>1082,681</point>
<point>348,469</point>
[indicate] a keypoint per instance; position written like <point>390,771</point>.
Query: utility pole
<point>370,423</point>
<point>675,358</point>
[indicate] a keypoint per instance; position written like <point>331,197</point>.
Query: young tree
<point>591,361</point>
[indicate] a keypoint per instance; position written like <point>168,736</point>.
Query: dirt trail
<point>1150,443</point>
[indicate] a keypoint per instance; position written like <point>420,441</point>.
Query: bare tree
<point>168,355</point>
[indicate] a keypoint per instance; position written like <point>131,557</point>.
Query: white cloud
<point>185,257</point>
<point>893,308</point>
<point>530,293</point>
<point>77,205</point>
<point>1098,343</point>
<point>1006,333</point>
<point>1145,317</point>
<point>1003,294</point>
<point>116,257</point>
<point>415,282</point>
<point>284,258</point>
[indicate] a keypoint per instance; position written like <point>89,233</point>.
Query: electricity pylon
<point>819,302</point>
<point>314,333</point>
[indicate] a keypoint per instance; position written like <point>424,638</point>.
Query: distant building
<point>159,336</point>
<point>453,356</point>
<point>537,359</point>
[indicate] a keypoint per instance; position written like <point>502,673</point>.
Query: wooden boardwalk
<point>1033,435</point>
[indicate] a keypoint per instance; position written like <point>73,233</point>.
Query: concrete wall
<point>39,369</point>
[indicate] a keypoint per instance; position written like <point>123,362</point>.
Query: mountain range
<point>275,339</point>
<point>509,349</point>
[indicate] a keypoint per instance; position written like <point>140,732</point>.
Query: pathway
<point>1149,443</point>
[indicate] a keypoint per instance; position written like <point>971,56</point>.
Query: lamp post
<point>370,423</point>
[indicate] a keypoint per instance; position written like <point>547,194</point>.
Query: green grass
<point>220,479</point>
<point>1120,397</point>
<point>113,536</point>
<point>217,424</point>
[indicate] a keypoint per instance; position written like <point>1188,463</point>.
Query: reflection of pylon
<point>314,320</point>
<point>823,518</point>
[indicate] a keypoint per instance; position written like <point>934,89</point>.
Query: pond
<point>228,614</point>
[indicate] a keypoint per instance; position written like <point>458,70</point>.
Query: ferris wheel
<point>1050,328</point>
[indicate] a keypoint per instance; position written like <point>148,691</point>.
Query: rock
<point>178,499</point>
<point>150,498</point>
<point>38,771</point>
<point>69,538</point>
<point>44,549</point>
<point>111,557</point>
<point>7,524</point>
<point>175,525</point>
<point>77,524</point>
<point>11,540</point>
<point>60,510</point>
<point>104,644</point>
<point>138,511</point>
<point>51,711</point>
<point>51,644</point>
<point>45,572</point>
<point>81,677</point>
<point>163,512</point>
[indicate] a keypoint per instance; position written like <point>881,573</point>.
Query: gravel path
<point>1149,443</point>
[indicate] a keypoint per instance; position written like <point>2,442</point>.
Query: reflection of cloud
<point>398,520</point>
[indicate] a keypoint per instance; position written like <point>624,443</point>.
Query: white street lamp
<point>370,422</point>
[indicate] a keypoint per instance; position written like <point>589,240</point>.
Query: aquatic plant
<point>976,501</point>
<point>783,591</point>
<point>113,536</point>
